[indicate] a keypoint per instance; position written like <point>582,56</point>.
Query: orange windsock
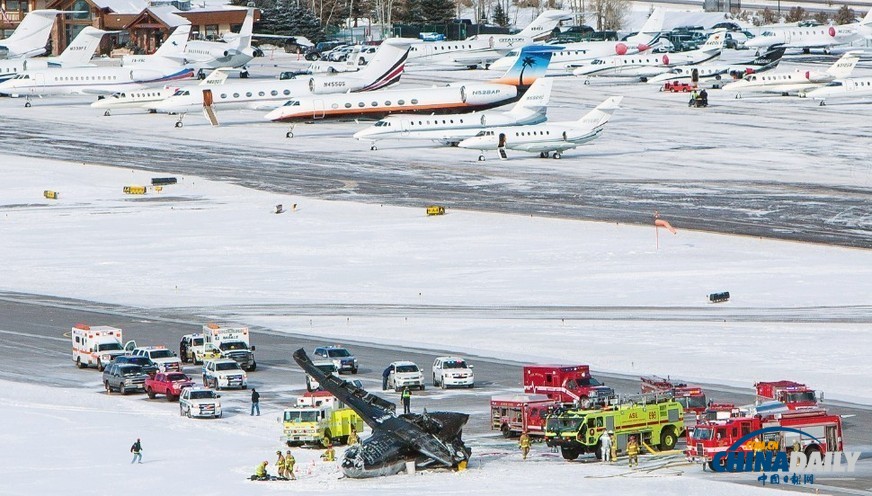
<point>667,225</point>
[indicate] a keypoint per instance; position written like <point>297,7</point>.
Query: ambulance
<point>95,346</point>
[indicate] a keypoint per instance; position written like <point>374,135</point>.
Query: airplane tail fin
<point>844,66</point>
<point>174,46</point>
<point>771,57</point>
<point>82,48</point>
<point>536,98</point>
<point>530,65</point>
<point>715,42</point>
<point>542,25</point>
<point>867,20</point>
<point>602,113</point>
<point>31,36</point>
<point>387,64</point>
<point>244,40</point>
<point>650,31</point>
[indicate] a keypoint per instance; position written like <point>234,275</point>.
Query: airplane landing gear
<point>557,155</point>
<point>244,74</point>
<point>107,113</point>
<point>543,154</point>
<point>373,147</point>
<point>290,133</point>
<point>179,122</point>
<point>481,158</point>
<point>822,104</point>
<point>27,105</point>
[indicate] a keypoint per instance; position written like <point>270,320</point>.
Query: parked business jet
<point>644,65</point>
<point>571,55</point>
<point>550,138</point>
<point>31,36</point>
<point>384,70</point>
<point>77,54</point>
<point>716,71</point>
<point>451,129</point>
<point>462,96</point>
<point>171,52</point>
<point>842,88</point>
<point>797,81</point>
<point>90,80</point>
<point>234,51</point>
<point>812,37</point>
<point>482,50</point>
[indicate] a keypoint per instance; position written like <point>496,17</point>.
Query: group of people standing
<point>608,445</point>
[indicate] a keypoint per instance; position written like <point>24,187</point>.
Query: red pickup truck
<point>167,383</point>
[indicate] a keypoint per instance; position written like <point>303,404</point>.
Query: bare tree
<point>610,13</point>
<point>845,15</point>
<point>796,14</point>
<point>768,16</point>
<point>822,17</point>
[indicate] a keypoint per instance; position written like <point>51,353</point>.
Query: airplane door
<point>502,141</point>
<point>318,111</point>
<point>207,98</point>
<point>694,76</point>
<point>483,120</point>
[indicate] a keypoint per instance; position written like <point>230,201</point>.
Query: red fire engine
<point>711,437</point>
<point>692,398</point>
<point>570,384</point>
<point>512,414</point>
<point>792,394</point>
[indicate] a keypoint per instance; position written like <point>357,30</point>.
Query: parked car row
<point>447,371</point>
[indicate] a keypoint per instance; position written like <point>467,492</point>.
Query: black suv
<point>315,52</point>
<point>147,365</point>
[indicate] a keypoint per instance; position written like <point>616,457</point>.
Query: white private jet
<point>550,138</point>
<point>842,88</point>
<point>797,81</point>
<point>451,129</point>
<point>482,50</point>
<point>31,36</point>
<point>385,69</point>
<point>456,97</point>
<point>571,55</point>
<point>95,80</point>
<point>171,52</point>
<point>643,65</point>
<point>812,37</point>
<point>77,54</point>
<point>234,51</point>
<point>716,71</point>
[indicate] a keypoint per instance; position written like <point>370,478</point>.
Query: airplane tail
<point>715,42</point>
<point>536,98</point>
<point>31,36</point>
<point>243,42</point>
<point>82,48</point>
<point>867,20</point>
<point>602,113</point>
<point>387,64</point>
<point>542,25</point>
<point>651,30</point>
<point>844,66</point>
<point>530,65</point>
<point>174,46</point>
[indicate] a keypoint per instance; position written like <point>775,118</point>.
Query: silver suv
<point>341,358</point>
<point>124,377</point>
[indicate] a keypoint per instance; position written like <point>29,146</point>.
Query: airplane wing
<point>106,90</point>
<point>545,146</point>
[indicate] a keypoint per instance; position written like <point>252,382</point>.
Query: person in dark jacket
<point>385,375</point>
<point>255,401</point>
<point>407,399</point>
<point>136,449</point>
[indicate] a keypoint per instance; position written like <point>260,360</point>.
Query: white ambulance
<point>95,346</point>
<point>230,341</point>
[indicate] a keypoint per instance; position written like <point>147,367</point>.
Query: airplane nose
<point>273,115</point>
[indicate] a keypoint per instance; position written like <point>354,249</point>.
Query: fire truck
<point>568,384</point>
<point>318,417</point>
<point>95,346</point>
<point>711,437</point>
<point>792,394</point>
<point>692,398</point>
<point>513,414</point>
<point>657,425</point>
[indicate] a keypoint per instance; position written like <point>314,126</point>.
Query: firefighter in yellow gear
<point>280,464</point>
<point>633,452</point>
<point>614,448</point>
<point>329,455</point>
<point>524,444</point>
<point>290,462</point>
<point>353,438</point>
<point>260,471</point>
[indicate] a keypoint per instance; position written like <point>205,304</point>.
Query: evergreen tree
<point>501,18</point>
<point>287,18</point>
<point>437,11</point>
<point>845,15</point>
<point>822,17</point>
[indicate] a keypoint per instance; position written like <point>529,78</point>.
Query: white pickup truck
<point>199,402</point>
<point>224,373</point>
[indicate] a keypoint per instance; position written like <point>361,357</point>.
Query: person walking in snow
<point>136,449</point>
<point>290,461</point>
<point>280,464</point>
<point>524,444</point>
<point>255,401</point>
<point>633,452</point>
<point>385,374</point>
<point>407,399</point>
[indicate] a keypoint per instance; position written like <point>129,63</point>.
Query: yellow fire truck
<point>318,418</point>
<point>656,424</point>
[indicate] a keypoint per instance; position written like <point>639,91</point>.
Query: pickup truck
<point>199,402</point>
<point>169,384</point>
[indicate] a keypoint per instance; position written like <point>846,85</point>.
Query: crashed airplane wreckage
<point>430,439</point>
